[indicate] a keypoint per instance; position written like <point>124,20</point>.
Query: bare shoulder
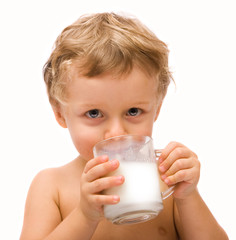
<point>50,183</point>
<point>42,208</point>
<point>52,178</point>
<point>46,177</point>
<point>46,181</point>
<point>40,205</point>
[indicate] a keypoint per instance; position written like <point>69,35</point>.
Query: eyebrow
<point>142,103</point>
<point>95,105</point>
<point>88,105</point>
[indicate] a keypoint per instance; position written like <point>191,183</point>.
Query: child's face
<point>102,107</point>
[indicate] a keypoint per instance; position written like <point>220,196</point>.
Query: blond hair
<point>101,43</point>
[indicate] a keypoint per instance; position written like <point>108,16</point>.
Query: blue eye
<point>94,113</point>
<point>133,112</point>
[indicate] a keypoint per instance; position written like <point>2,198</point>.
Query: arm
<point>180,167</point>
<point>42,214</point>
<point>195,221</point>
<point>76,226</point>
<point>42,220</point>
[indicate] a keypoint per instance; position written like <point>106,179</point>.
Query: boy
<point>107,76</point>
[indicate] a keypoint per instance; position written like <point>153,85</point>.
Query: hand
<point>179,166</point>
<point>93,182</point>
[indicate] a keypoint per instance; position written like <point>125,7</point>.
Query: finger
<point>177,153</point>
<point>104,199</point>
<point>95,161</point>
<point>101,170</point>
<point>180,164</point>
<point>104,183</point>
<point>168,149</point>
<point>185,175</point>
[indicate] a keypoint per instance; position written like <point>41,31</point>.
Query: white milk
<point>139,193</point>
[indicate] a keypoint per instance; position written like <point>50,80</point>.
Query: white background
<point>200,112</point>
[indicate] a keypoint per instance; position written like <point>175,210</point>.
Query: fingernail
<point>162,168</point>
<point>163,177</point>
<point>120,179</point>
<point>167,181</point>
<point>104,158</point>
<point>114,162</point>
<point>116,199</point>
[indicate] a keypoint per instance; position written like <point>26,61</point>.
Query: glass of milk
<point>140,194</point>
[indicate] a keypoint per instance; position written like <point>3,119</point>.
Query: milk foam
<point>139,192</point>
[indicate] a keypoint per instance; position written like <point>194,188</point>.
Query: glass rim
<point>127,136</point>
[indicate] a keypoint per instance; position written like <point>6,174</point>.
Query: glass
<point>140,194</point>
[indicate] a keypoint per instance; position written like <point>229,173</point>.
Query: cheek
<point>145,129</point>
<point>84,139</point>
<point>146,132</point>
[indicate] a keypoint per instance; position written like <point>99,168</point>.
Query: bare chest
<point>161,228</point>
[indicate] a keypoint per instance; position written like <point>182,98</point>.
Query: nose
<point>116,127</point>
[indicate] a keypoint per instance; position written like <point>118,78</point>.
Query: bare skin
<point>66,179</point>
<point>65,203</point>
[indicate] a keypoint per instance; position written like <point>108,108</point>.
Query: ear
<point>158,111</point>
<point>59,115</point>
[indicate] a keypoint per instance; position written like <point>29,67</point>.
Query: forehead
<point>136,84</point>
